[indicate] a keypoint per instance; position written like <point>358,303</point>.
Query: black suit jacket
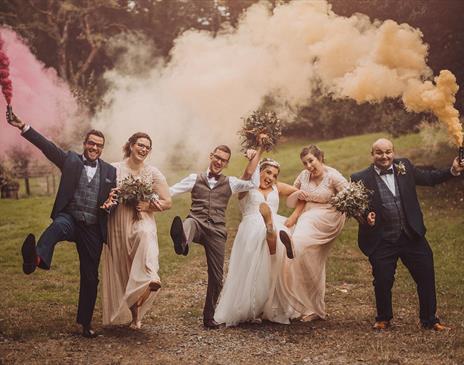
<point>369,237</point>
<point>71,165</point>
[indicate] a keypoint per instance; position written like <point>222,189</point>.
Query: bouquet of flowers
<point>134,190</point>
<point>353,201</point>
<point>260,122</point>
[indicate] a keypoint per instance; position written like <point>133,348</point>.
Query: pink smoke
<point>41,99</point>
<point>5,81</point>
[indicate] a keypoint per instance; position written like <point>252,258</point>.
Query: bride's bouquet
<point>258,123</point>
<point>134,190</point>
<point>354,201</point>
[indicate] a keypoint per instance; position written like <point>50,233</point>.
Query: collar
<point>84,159</point>
<point>377,170</point>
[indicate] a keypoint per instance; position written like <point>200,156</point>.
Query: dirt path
<point>173,334</point>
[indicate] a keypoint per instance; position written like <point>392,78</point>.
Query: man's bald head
<point>382,153</point>
<point>382,143</point>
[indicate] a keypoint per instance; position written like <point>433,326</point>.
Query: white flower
<point>400,168</point>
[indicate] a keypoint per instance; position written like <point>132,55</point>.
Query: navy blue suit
<point>89,239</point>
<point>412,247</point>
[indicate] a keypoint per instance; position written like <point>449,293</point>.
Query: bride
<point>249,289</point>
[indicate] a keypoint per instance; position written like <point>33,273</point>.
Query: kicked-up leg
<point>271,236</point>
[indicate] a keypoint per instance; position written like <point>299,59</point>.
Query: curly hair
<point>314,150</point>
<point>132,140</point>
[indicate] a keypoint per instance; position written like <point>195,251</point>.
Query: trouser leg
<point>61,229</point>
<point>383,262</point>
<point>214,249</point>
<point>89,247</point>
<point>417,256</point>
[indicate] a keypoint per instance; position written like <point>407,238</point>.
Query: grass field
<point>43,305</point>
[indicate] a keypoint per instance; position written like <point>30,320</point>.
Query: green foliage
<point>326,118</point>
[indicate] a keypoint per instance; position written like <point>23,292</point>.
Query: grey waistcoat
<point>84,204</point>
<point>209,205</point>
<point>394,219</point>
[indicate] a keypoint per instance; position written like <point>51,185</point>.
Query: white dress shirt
<point>236,185</point>
<point>90,171</point>
<point>388,179</point>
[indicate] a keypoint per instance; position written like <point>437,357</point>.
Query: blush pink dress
<point>130,257</point>
<point>313,236</point>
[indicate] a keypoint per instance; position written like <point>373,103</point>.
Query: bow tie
<point>386,172</point>
<point>213,176</point>
<point>90,163</point>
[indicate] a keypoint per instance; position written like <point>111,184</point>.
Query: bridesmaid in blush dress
<point>317,227</point>
<point>130,258</point>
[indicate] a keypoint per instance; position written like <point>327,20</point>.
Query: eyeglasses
<point>141,145</point>
<point>94,144</point>
<point>219,158</point>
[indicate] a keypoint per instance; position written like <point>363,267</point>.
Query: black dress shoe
<point>211,324</point>
<point>88,332</point>
<point>178,235</point>
<point>29,253</point>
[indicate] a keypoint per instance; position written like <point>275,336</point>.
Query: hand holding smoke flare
<point>5,82</point>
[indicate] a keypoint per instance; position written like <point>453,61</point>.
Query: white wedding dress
<point>249,291</point>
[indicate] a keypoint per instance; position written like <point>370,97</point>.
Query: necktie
<point>386,172</point>
<point>213,176</point>
<point>90,163</point>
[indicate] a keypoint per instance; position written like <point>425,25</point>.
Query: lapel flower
<point>400,168</point>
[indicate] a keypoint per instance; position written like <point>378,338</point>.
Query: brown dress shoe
<point>381,325</point>
<point>440,327</point>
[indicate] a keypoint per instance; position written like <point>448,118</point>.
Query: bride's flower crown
<point>268,162</point>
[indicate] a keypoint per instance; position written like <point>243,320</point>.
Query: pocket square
<point>107,180</point>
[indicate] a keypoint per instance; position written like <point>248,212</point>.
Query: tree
<point>69,35</point>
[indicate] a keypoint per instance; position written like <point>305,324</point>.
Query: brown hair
<point>94,132</point>
<point>223,148</point>
<point>132,140</point>
<point>314,150</point>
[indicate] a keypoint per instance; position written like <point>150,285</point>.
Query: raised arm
<point>48,148</point>
<point>434,177</point>
<point>183,186</point>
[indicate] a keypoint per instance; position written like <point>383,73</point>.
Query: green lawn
<point>58,288</point>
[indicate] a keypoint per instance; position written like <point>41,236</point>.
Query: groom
<point>205,223</point>
<point>395,230</point>
<point>85,184</point>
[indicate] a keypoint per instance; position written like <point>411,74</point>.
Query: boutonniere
<point>400,168</point>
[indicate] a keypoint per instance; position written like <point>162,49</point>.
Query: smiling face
<point>140,149</point>
<point>312,164</point>
<point>219,160</point>
<point>382,153</point>
<point>93,147</point>
<point>268,177</point>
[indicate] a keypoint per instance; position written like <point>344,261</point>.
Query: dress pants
<point>89,246</point>
<point>213,237</point>
<point>417,256</point>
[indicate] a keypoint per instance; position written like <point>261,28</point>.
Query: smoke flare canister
<point>9,113</point>
<point>461,154</point>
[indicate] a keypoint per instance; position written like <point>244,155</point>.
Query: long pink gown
<point>313,236</point>
<point>130,257</point>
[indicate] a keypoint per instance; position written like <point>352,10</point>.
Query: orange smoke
<point>438,99</point>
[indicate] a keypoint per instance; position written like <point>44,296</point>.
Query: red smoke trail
<point>5,82</point>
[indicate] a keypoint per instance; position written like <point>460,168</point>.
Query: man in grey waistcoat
<point>395,230</point>
<point>85,184</point>
<point>205,223</point>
